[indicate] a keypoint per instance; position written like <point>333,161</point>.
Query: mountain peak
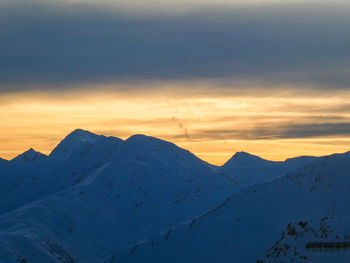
<point>29,156</point>
<point>148,142</point>
<point>139,138</point>
<point>244,158</point>
<point>73,141</point>
<point>243,154</point>
<point>83,135</point>
<point>152,148</point>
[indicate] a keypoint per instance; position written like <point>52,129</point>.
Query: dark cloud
<point>51,46</point>
<point>271,132</point>
<point>316,130</point>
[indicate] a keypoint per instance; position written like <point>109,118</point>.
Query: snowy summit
<point>29,156</point>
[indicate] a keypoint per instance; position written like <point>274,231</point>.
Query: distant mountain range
<point>104,199</point>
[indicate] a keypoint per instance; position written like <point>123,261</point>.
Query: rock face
<point>316,240</point>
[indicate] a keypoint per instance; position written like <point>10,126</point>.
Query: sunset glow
<point>274,126</point>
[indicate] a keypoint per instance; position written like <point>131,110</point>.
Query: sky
<point>268,77</point>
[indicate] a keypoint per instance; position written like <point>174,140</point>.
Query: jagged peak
<point>29,155</point>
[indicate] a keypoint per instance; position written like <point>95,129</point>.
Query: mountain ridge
<point>319,190</point>
<point>98,194</point>
<point>85,136</point>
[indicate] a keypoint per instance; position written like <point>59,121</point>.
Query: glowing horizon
<point>272,126</point>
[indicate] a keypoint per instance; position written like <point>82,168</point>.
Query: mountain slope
<point>77,156</point>
<point>96,194</point>
<point>76,142</point>
<point>246,226</point>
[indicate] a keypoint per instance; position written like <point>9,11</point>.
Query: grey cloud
<point>316,130</point>
<point>270,132</point>
<point>51,47</point>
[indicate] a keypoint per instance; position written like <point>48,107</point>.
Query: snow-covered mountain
<point>95,194</point>
<point>29,156</point>
<point>270,222</point>
<point>80,143</point>
<point>249,169</point>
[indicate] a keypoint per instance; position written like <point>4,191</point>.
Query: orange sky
<point>212,127</point>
